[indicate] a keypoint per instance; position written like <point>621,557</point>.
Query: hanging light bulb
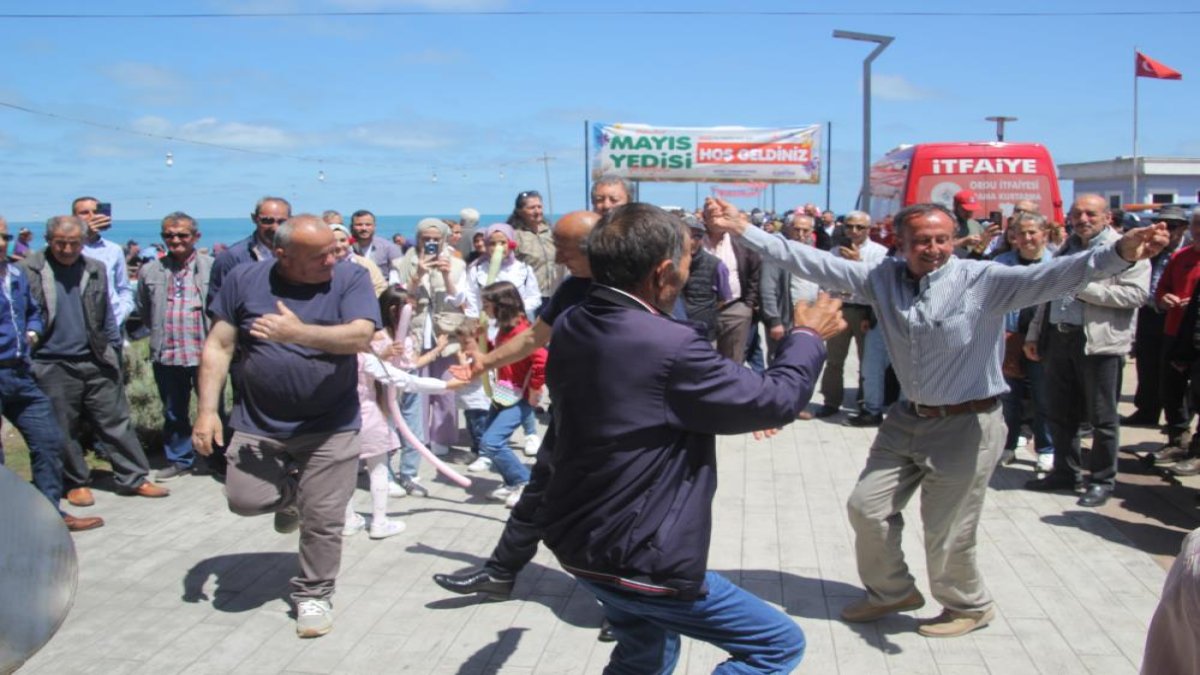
<point>434,177</point>
<point>321,175</point>
<point>501,174</point>
<point>170,160</point>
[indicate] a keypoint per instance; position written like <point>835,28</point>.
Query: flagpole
<point>1134,169</point>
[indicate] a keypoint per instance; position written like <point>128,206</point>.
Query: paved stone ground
<point>181,585</point>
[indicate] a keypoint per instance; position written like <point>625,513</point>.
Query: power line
<point>600,12</point>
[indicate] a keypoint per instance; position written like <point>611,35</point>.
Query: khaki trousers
<point>951,460</point>
<point>261,480</point>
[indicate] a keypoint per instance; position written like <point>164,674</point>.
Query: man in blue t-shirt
<point>297,323</point>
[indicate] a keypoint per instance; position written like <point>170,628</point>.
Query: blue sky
<point>380,104</point>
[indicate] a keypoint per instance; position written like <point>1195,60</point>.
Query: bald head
<point>570,233</point>
<point>305,249</point>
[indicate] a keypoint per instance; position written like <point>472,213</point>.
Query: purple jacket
<point>638,399</point>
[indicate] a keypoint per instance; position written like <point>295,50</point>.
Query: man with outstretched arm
<point>942,319</point>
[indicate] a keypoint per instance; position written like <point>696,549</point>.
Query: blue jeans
<point>175,387</point>
<point>410,459</point>
<point>501,423</point>
<point>529,422</point>
<point>30,411</point>
<point>476,425</point>
<point>1034,383</point>
<point>874,371</point>
<point>758,637</point>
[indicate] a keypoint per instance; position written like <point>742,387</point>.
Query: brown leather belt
<point>981,405</point>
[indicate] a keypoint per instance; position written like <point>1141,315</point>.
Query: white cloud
<point>147,83</point>
<point>433,57</point>
<point>435,5</point>
<point>898,88</point>
<point>393,136</point>
<point>212,130</point>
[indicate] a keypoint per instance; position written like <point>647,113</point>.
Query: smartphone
<point>431,248</point>
<point>104,209</point>
<point>996,218</point>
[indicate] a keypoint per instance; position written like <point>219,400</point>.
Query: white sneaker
<point>1045,462</point>
<point>480,465</point>
<point>502,493</point>
<point>514,496</point>
<point>354,525</point>
<point>532,445</point>
<point>385,528</point>
<point>395,490</point>
<point>314,618</point>
<point>1022,442</point>
<point>439,449</point>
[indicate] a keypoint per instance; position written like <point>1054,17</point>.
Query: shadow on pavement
<point>244,581</point>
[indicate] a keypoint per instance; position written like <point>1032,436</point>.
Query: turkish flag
<point>1145,66</point>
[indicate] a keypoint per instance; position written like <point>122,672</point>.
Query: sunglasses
<point>854,228</point>
<point>270,221</point>
<point>7,237</point>
<point>176,235</point>
<point>529,193</point>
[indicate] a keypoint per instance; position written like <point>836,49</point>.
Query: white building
<point>1161,180</point>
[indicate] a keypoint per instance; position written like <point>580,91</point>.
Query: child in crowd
<point>401,352</point>
<point>377,437</point>
<point>502,303</point>
<point>472,399</point>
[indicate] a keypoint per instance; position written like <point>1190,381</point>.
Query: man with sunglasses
<point>269,213</point>
<point>171,294</point>
<point>857,246</point>
<point>96,247</point>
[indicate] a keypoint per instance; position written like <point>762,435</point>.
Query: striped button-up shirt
<point>945,331</point>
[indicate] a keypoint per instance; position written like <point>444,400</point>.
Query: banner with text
<point>710,155</point>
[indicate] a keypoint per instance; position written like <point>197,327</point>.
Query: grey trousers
<point>837,348</point>
<point>733,330</point>
<point>261,480</point>
<point>951,459</point>
<point>74,387</point>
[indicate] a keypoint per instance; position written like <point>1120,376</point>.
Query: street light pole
<point>1000,120</point>
<point>882,41</point>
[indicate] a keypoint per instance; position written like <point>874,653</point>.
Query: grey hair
<point>609,179</point>
<point>920,211</point>
<point>1037,219</point>
<point>858,215</point>
<point>176,217</point>
<point>287,229</point>
<point>57,224</point>
<point>259,204</point>
<point>330,214</point>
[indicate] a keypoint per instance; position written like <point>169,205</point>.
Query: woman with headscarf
<point>512,269</point>
<point>345,252</point>
<point>435,279</point>
<point>535,240</point>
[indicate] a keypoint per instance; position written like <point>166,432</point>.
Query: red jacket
<point>515,372</point>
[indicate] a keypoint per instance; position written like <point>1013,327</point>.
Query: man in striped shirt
<point>942,319</point>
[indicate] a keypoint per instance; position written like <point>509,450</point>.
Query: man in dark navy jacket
<point>638,398</point>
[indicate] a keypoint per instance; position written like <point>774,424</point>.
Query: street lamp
<point>882,41</point>
<point>1000,120</point>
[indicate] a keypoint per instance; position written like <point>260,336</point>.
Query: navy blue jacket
<point>19,312</point>
<point>638,398</point>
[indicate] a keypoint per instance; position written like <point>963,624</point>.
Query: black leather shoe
<point>606,632</point>
<point>476,581</point>
<point>1139,419</point>
<point>1096,495</point>
<point>863,420</point>
<point>827,411</point>
<point>1053,482</point>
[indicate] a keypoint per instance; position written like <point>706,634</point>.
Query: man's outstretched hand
<point>824,316</point>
